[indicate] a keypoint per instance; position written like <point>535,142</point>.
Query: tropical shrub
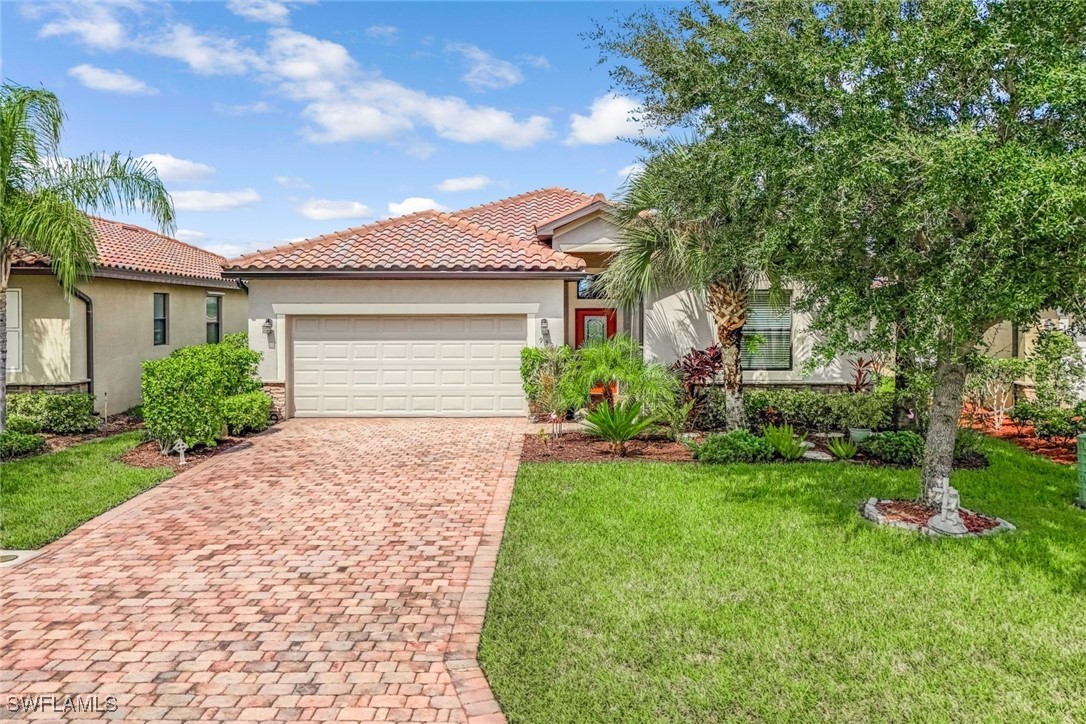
<point>896,448</point>
<point>548,383</point>
<point>654,386</point>
<point>676,417</point>
<point>1024,413</point>
<point>1058,368</point>
<point>698,367</point>
<point>711,412</point>
<point>783,439</point>
<point>818,411</point>
<point>617,424</point>
<point>1057,423</point>
<point>22,423</point>
<point>966,445</point>
<point>63,414</point>
<point>736,446</point>
<point>247,412</point>
<point>607,365</point>
<point>14,444</point>
<point>842,448</point>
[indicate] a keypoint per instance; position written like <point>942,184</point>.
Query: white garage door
<point>408,366</point>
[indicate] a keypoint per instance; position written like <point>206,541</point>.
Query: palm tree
<point>698,217</point>
<point>44,197</point>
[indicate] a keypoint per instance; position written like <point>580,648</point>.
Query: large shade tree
<point>933,160</point>
<point>695,217</point>
<point>45,197</point>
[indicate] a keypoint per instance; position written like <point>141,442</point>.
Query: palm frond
<point>48,223</point>
<point>30,124</point>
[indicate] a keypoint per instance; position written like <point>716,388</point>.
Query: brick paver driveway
<point>332,569</point>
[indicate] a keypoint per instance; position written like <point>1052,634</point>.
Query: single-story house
<point>149,295</point>
<point>426,314</point>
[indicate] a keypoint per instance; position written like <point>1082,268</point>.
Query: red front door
<point>594,325</point>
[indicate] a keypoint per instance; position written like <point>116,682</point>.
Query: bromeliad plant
<point>617,424</point>
<point>783,439</point>
<point>842,448</point>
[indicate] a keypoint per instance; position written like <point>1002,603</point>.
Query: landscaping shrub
<point>736,446</point>
<point>136,413</point>
<point>817,411</point>
<point>655,387</point>
<point>783,439</point>
<point>23,424</point>
<point>63,414</point>
<point>13,444</point>
<point>617,424</point>
<point>966,445</point>
<point>860,410</point>
<point>1057,366</point>
<point>1024,413</point>
<point>1057,423</point>
<point>711,411</point>
<point>896,448</point>
<point>842,448</point>
<point>531,360</point>
<point>247,412</point>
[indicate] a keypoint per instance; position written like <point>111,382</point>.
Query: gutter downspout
<point>90,337</point>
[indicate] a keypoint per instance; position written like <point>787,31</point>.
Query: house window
<point>767,343</point>
<point>214,318</point>
<point>162,318</point>
<point>587,288</point>
<point>15,330</point>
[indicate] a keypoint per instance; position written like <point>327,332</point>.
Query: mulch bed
<point>910,511</point>
<point>577,447</point>
<point>1061,451</point>
<point>115,426</point>
<point>146,455</point>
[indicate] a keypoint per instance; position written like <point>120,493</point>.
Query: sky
<point>271,121</point>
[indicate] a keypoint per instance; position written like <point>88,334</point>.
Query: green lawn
<point>654,592</point>
<point>44,497</point>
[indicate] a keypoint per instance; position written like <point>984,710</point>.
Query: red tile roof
<point>499,236</point>
<point>133,248</point>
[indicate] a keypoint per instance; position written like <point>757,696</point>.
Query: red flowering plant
<point>698,368</point>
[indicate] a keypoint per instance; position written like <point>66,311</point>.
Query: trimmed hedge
<point>896,448</point>
<point>14,444</point>
<point>63,414</point>
<point>817,411</point>
<point>247,412</point>
<point>22,423</point>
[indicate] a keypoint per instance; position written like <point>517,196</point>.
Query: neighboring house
<point>149,295</point>
<point>426,314</point>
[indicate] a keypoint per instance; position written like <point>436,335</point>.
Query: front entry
<point>594,325</point>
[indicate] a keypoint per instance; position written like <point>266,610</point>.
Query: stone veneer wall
<point>277,391</point>
<point>56,388</point>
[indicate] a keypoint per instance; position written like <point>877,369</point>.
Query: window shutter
<point>774,326</point>
<point>15,330</point>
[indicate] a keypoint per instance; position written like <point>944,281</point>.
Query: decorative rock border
<point>870,511</point>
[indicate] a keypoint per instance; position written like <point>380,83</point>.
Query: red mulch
<point>116,425</point>
<point>577,447</point>
<point>1062,451</point>
<point>909,511</point>
<point>146,455</point>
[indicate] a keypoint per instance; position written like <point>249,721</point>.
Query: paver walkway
<point>329,570</point>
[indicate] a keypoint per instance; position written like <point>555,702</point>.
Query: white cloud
<point>537,61</point>
<point>204,54</point>
<point>276,12</point>
<point>412,204</point>
<point>485,72</point>
<point>387,33</point>
<point>464,183</point>
<point>633,169</point>
<point>291,182</point>
<point>242,109</point>
<point>608,118</point>
<point>111,81</point>
<point>171,168</point>
<point>95,25</point>
<point>213,200</point>
<point>190,235</point>
<point>325,209</point>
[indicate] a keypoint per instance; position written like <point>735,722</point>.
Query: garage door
<point>455,366</point>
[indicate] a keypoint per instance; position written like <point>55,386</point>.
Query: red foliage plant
<point>698,367</point>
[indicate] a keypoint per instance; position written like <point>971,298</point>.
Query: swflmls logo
<point>61,704</point>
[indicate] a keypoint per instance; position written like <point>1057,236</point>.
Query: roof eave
<point>403,274</point>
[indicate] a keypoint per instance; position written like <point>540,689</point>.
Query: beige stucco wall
<point>282,299</point>
<point>591,234</point>
<point>55,338</point>
<point>676,321</point>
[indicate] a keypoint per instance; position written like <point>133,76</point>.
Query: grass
<point>663,592</point>
<point>44,497</point>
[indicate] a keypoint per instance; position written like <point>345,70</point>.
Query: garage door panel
<point>424,366</point>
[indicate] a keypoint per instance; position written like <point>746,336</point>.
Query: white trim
<point>17,328</point>
<point>402,309</point>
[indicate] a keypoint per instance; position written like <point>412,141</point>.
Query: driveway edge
<point>461,659</point>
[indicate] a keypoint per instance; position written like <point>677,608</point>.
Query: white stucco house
<point>426,314</point>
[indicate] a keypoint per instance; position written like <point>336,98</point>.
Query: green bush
<point>784,440</point>
<point>23,424</point>
<point>247,412</point>
<point>136,413</point>
<point>617,424</point>
<point>842,448</point>
<point>1057,423</point>
<point>13,444</point>
<point>896,448</point>
<point>737,446</point>
<point>817,411</point>
<point>63,414</point>
<point>711,412</point>
<point>966,445</point>
<point>1024,413</point>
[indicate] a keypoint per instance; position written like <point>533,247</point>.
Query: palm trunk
<point>5,269</point>
<point>942,428</point>
<point>728,307</point>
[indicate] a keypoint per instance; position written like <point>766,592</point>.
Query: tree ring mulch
<point>914,516</point>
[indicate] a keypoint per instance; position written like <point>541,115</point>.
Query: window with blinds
<point>774,326</point>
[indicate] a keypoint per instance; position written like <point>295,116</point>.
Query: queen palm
<point>697,217</point>
<point>45,198</point>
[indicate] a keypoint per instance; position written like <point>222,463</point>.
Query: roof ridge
<point>144,229</point>
<point>516,197</point>
<point>312,240</point>
<point>497,235</point>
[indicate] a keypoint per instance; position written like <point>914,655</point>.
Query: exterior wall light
<point>267,326</point>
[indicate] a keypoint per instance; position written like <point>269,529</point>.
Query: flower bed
<point>577,447</point>
<point>1024,436</point>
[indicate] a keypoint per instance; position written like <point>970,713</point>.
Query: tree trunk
<point>5,269</point>
<point>906,410</point>
<point>942,428</point>
<point>728,306</point>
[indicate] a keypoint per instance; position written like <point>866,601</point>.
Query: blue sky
<point>274,120</point>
